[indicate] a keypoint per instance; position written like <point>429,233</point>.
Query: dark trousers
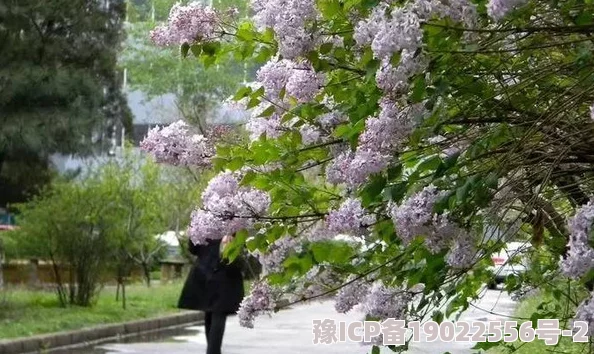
<point>214,325</point>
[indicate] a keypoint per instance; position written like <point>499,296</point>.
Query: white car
<point>510,260</point>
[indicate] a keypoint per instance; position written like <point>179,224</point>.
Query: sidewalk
<point>290,331</point>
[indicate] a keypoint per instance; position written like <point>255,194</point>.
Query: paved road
<point>290,332</point>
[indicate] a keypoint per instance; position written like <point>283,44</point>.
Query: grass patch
<point>26,312</point>
<point>525,309</point>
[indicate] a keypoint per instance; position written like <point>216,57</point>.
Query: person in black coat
<point>214,286</point>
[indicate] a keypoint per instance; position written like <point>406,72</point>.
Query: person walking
<point>215,287</point>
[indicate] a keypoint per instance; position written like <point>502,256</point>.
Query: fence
<point>36,273</point>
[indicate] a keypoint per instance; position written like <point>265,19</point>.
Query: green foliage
<point>106,220</point>
<point>60,86</point>
<point>506,136</point>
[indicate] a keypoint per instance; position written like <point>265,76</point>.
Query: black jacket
<point>212,285</point>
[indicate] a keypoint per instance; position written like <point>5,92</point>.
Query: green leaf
<point>326,48</point>
<point>372,190</point>
<point>321,251</point>
<point>196,50</point>
<point>486,345</point>
<point>418,89</point>
<point>253,103</point>
<point>245,32</point>
<point>211,48</point>
<point>235,164</point>
<point>437,316</point>
<point>208,61</point>
<point>396,191</point>
<point>268,112</point>
<point>429,164</point>
<point>184,49</point>
<point>233,250</point>
<point>242,92</point>
<point>462,192</point>
<point>445,166</point>
<point>298,264</point>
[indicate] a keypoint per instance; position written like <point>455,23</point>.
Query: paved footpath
<point>290,332</point>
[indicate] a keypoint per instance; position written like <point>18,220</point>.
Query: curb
<point>96,335</point>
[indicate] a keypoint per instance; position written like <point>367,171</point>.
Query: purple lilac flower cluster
<point>415,217</point>
<point>262,299</point>
<point>580,257</point>
<point>585,312</point>
<point>386,302</point>
<point>289,19</point>
<point>349,218</point>
<point>187,24</point>
<point>227,208</point>
<point>176,145</point>
<point>350,295</point>
<point>398,30</point>
<point>498,9</point>
<point>272,260</point>
<point>380,140</point>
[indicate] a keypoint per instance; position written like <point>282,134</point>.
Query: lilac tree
<point>413,127</point>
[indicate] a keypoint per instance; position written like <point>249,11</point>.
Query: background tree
<point>69,225</point>
<point>156,72</point>
<point>59,86</point>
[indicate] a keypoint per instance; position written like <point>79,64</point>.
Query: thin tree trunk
<point>1,272</point>
<point>2,157</point>
<point>118,290</point>
<point>147,273</point>
<point>1,260</point>
<point>124,295</point>
<point>59,284</point>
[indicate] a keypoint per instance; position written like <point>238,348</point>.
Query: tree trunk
<point>2,157</point>
<point>1,272</point>
<point>124,294</point>
<point>147,273</point>
<point>59,284</point>
<point>118,290</point>
<point>1,260</point>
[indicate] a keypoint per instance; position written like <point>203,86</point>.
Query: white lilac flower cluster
<point>349,218</point>
<point>227,208</point>
<point>175,144</point>
<point>415,217</point>
<point>288,19</point>
<point>592,112</point>
<point>262,299</point>
<point>585,312</point>
<point>378,143</point>
<point>580,257</point>
<point>187,24</point>
<point>498,9</point>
